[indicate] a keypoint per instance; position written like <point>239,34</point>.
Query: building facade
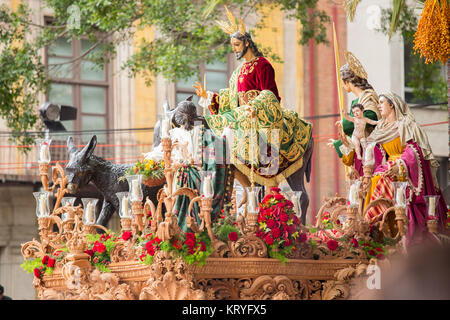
<point>113,106</point>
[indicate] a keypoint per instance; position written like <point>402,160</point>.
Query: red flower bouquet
<point>41,266</point>
<point>99,249</point>
<point>278,224</point>
<point>191,247</point>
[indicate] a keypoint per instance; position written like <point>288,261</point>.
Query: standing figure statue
<point>354,80</point>
<point>269,144</point>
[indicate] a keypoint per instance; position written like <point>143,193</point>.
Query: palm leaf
<point>397,7</point>
<point>350,8</point>
<point>210,7</point>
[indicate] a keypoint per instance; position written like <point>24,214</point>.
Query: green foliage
<point>280,253</point>
<point>19,83</point>
<point>186,38</point>
<point>101,258</point>
<point>224,226</point>
<point>29,265</point>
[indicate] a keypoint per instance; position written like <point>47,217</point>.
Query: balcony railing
<point>118,146</point>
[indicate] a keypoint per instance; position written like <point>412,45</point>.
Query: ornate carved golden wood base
<point>219,278</point>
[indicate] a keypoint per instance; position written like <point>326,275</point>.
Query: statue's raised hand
<point>199,90</point>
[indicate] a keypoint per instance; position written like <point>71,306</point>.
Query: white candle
<point>400,198</point>
<point>432,207</point>
<point>90,212</point>
<point>295,202</point>
<point>125,212</point>
<point>207,187</point>
<point>43,205</point>
<point>135,189</point>
<point>353,194</point>
<point>165,128</point>
<point>44,153</point>
<point>368,155</point>
<point>251,202</point>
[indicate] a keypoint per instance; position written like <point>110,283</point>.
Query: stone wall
<point>18,224</point>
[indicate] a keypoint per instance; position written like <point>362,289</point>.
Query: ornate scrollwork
<point>249,246</point>
<point>170,280</point>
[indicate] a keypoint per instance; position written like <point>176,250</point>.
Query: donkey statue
<point>85,167</point>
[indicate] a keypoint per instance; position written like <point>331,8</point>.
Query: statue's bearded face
<point>239,47</point>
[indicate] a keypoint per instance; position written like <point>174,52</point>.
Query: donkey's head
<point>78,170</point>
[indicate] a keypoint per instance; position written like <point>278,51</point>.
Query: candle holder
<point>369,156</point>
<point>253,196</point>
<point>400,194</point>
<point>89,212</point>
<point>44,150</point>
<point>135,187</point>
<point>67,201</point>
<point>295,198</point>
<point>42,204</point>
<point>135,196</point>
<point>165,128</point>
<point>401,219</point>
<point>125,212</point>
<point>207,179</point>
<point>353,193</point>
<point>252,208</point>
<point>44,160</point>
<point>432,219</point>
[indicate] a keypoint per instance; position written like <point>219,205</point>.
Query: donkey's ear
<point>71,145</point>
<point>189,98</point>
<point>89,148</point>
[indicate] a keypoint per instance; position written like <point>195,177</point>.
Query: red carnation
<point>354,243</point>
<point>126,235</point>
<point>275,189</point>
<point>365,244</point>
<point>202,246</point>
<point>89,252</point>
<point>267,198</point>
<point>289,203</point>
<point>177,244</point>
<point>151,251</point>
<point>281,204</point>
<point>284,217</point>
<point>288,242</point>
<point>232,236</point>
<point>268,239</point>
<point>45,259</point>
<point>380,256</point>
<point>271,224</point>
<point>51,262</point>
<point>190,235</point>
<point>37,272</point>
<point>99,247</point>
<point>372,253</point>
<point>332,244</point>
<point>150,248</point>
<point>157,240</point>
<point>279,197</point>
<point>190,243</point>
<point>276,233</point>
<point>303,237</point>
<point>379,249</point>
